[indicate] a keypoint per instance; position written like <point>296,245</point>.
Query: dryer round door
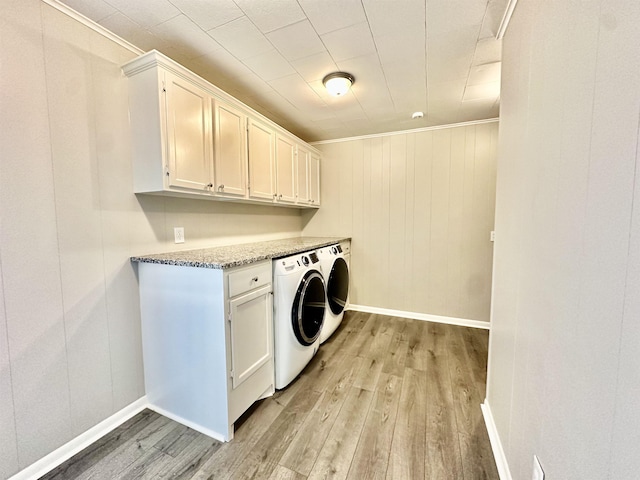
<point>308,308</point>
<point>338,286</point>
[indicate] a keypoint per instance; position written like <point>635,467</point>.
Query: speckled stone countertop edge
<point>229,256</point>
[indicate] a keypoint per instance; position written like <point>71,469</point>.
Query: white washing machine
<point>336,275</point>
<point>298,313</point>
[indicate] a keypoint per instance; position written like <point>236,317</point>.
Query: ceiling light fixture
<point>338,83</point>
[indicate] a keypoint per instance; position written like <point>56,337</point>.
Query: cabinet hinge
<point>229,317</point>
<point>232,374</point>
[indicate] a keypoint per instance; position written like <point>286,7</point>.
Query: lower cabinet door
<point>251,333</point>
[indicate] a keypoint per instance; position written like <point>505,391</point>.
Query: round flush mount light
<point>417,115</point>
<point>338,83</point>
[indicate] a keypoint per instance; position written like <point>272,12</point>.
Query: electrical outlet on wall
<point>538,473</point>
<point>178,234</point>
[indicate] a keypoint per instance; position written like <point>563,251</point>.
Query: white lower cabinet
<point>207,342</point>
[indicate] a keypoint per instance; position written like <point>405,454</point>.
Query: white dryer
<point>336,275</point>
<point>298,313</point>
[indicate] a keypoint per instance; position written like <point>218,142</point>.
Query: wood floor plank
<point>408,447</point>
<point>130,451</point>
<point>467,398</point>
<point>283,473</point>
<point>418,348</point>
<point>334,459</point>
<point>249,430</point>
<point>306,445</point>
<point>267,452</point>
<point>371,458</point>
<point>477,458</point>
<point>442,459</point>
<point>103,447</point>
<point>381,337</point>
<point>360,341</point>
<point>396,355</point>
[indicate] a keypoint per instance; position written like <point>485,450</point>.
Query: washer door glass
<point>338,286</point>
<point>308,308</point>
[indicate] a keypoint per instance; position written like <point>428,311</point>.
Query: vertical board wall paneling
<point>421,213</point>
<point>77,200</point>
<point>32,285</point>
<point>421,265</point>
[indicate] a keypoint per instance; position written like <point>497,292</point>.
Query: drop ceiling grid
<point>406,56</point>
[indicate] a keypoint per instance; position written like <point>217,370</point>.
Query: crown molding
<point>502,29</point>
<point>403,132</point>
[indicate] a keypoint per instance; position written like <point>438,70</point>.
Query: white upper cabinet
<point>188,134</point>
<point>302,175</point>
<point>230,165</point>
<point>191,139</point>
<point>307,177</point>
<point>285,169</point>
<point>314,179</point>
<point>261,160</point>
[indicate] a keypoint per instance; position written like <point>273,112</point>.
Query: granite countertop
<point>242,254</point>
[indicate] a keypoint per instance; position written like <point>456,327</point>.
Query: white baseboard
<point>82,441</point>
<point>198,428</point>
<point>496,444</point>
<point>464,322</point>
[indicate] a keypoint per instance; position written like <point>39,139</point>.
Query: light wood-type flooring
<point>384,398</point>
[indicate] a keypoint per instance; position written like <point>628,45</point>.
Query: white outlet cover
<point>538,473</point>
<point>178,234</point>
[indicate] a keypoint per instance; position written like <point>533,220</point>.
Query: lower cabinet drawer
<point>248,278</point>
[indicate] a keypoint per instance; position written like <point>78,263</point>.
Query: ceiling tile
<point>126,28</point>
<point>269,65</point>
<point>147,14</point>
<point>489,72</point>
<point>95,10</point>
<point>186,36</point>
<point>349,42</point>
<point>242,38</point>
<point>207,14</point>
<point>446,15</point>
<point>401,46</point>
<point>271,14</point>
<point>297,41</point>
<point>488,50</point>
<point>315,67</point>
<point>330,15</point>
<point>483,91</point>
<point>394,17</point>
<point>225,63</point>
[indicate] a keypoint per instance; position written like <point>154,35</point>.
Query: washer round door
<point>308,308</point>
<point>338,286</point>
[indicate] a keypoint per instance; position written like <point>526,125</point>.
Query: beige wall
<point>564,368</point>
<point>70,351</point>
<point>419,207</point>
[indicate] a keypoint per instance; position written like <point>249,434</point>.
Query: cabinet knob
<point>254,279</point>
<point>221,187</point>
<point>280,196</point>
<point>209,185</point>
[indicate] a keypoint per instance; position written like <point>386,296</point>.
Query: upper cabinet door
<point>261,160</point>
<point>302,175</point>
<point>314,179</point>
<point>285,169</point>
<point>189,142</point>
<point>230,150</point>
